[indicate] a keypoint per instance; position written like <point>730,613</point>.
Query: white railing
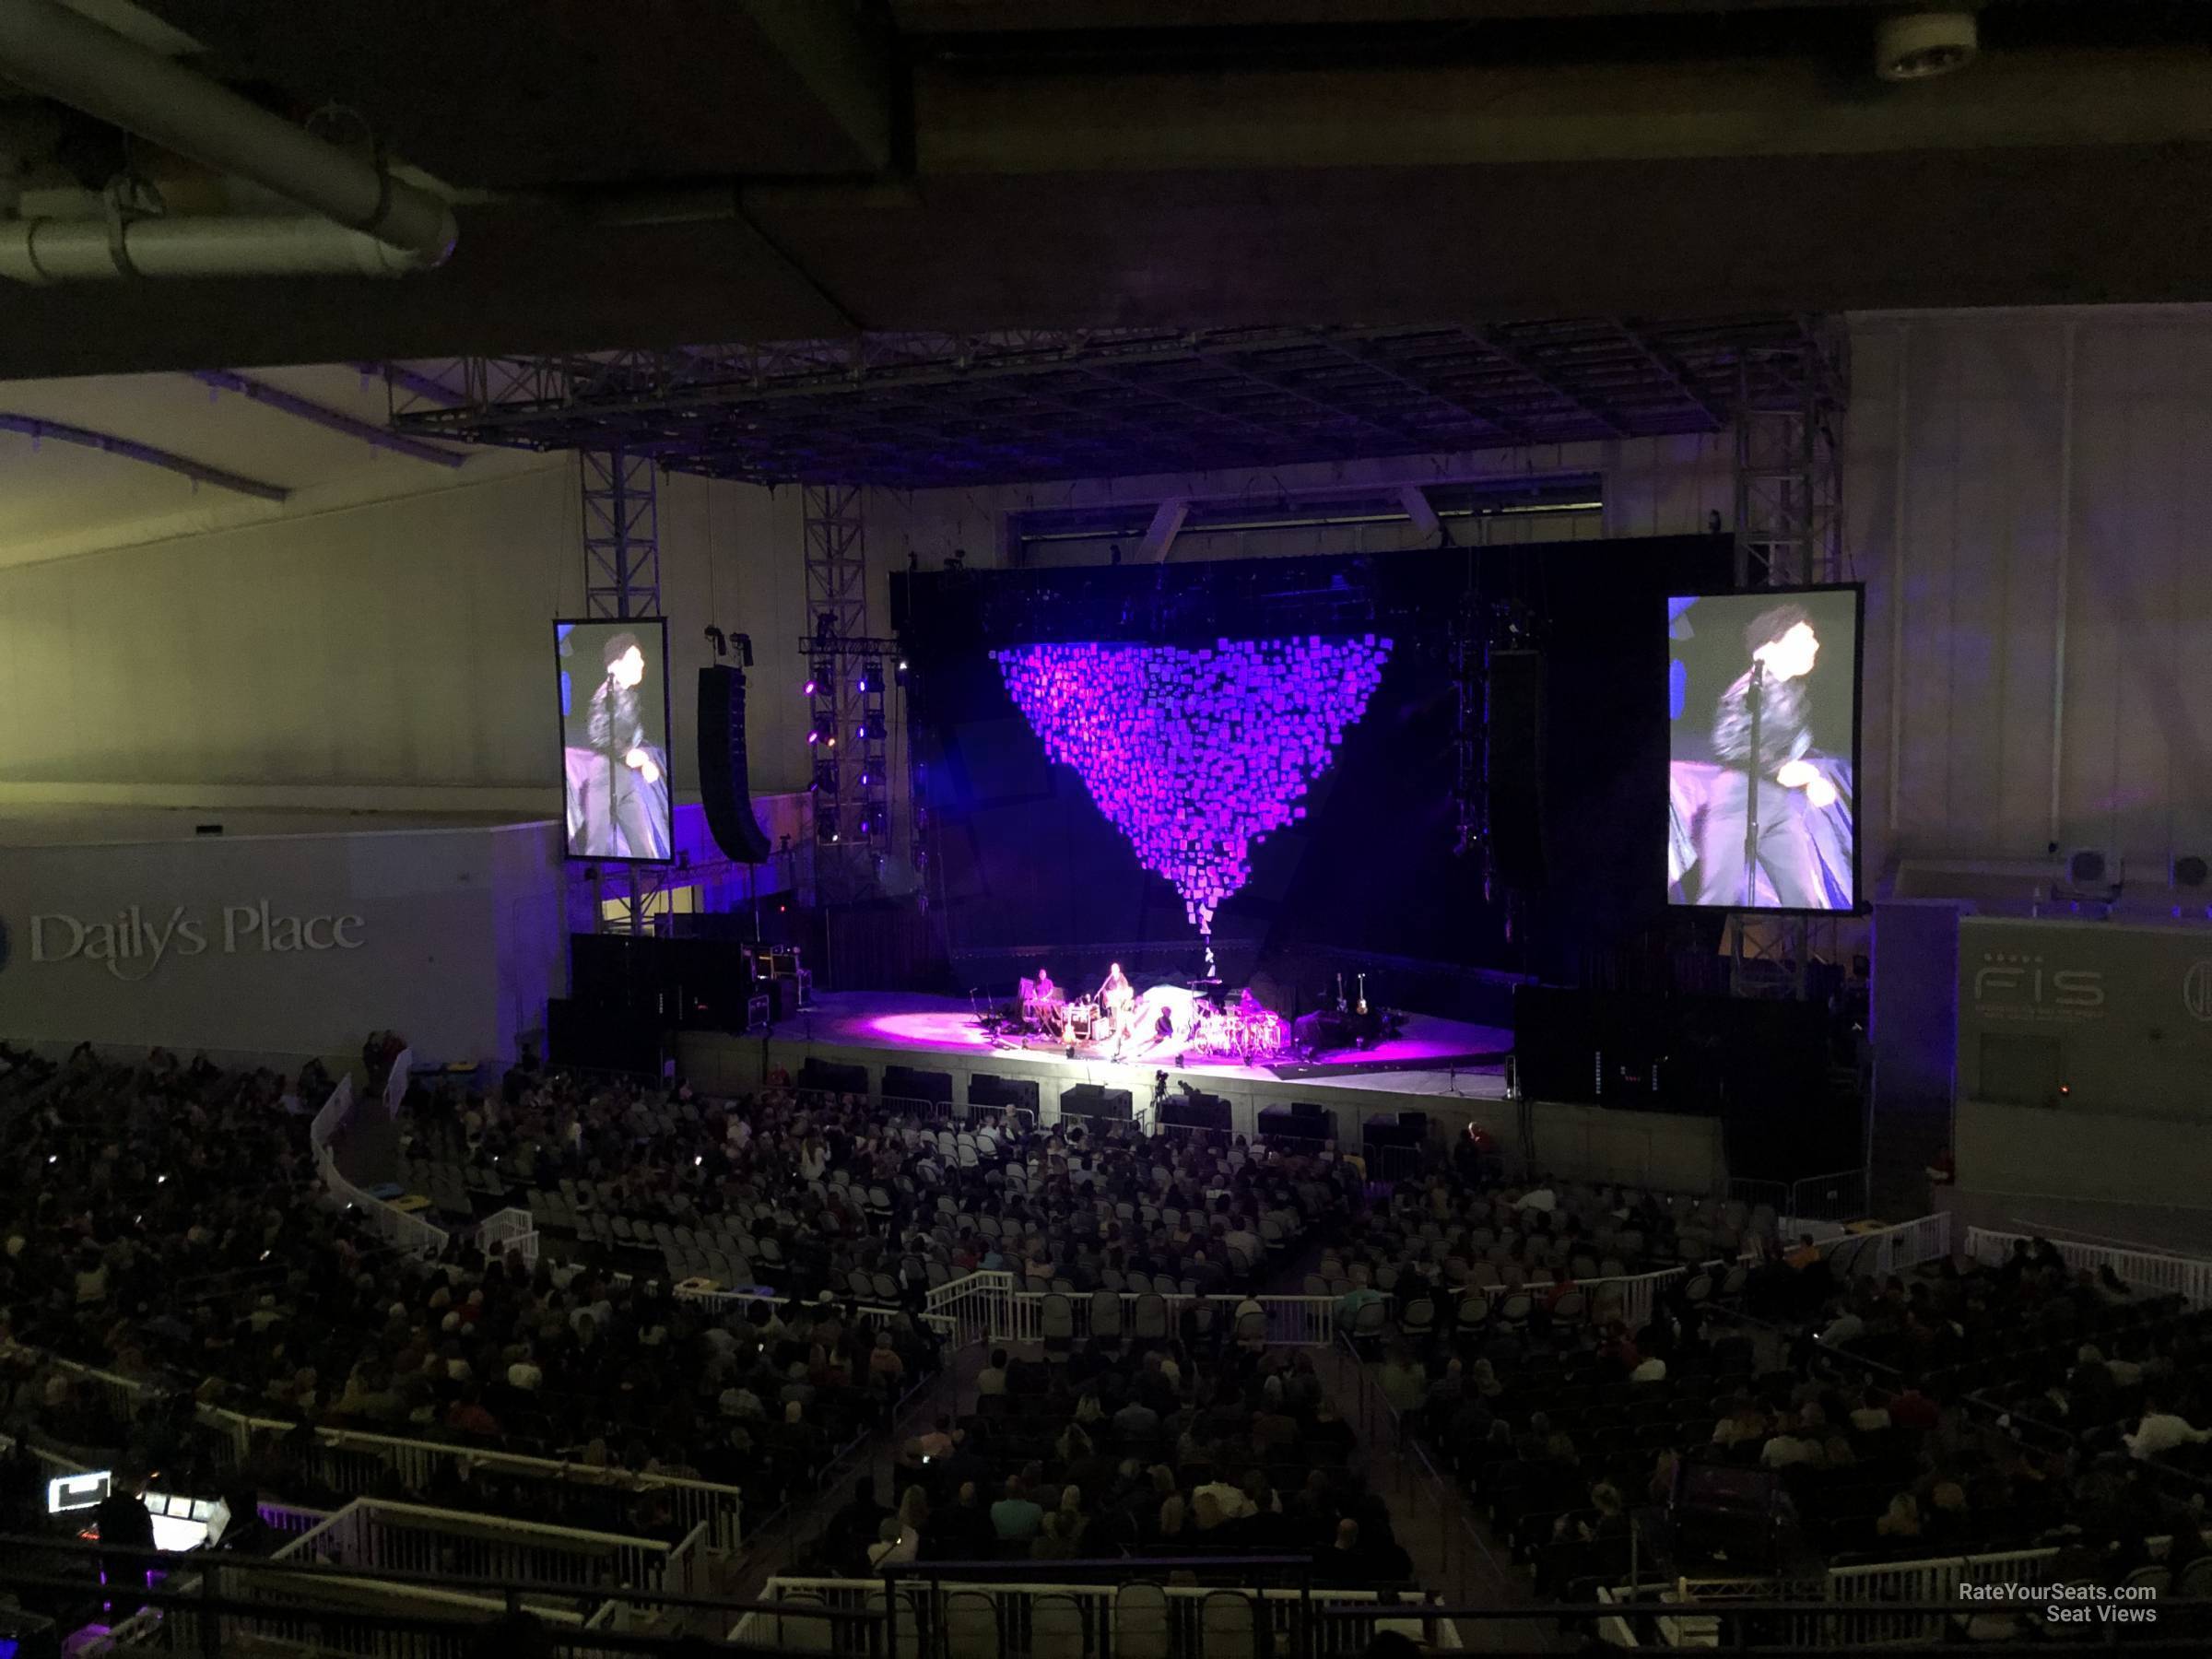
<point>1880,1252</point>
<point>1288,1321</point>
<point>1870,1587</point>
<point>2189,1277</point>
<point>54,1463</point>
<point>971,1307</point>
<point>1197,1618</point>
<point>303,1612</point>
<point>291,1518</point>
<point>1631,1299</point>
<point>350,1462</point>
<point>125,1397</point>
<point>377,1536</point>
<point>394,1226</point>
<point>509,1229</point>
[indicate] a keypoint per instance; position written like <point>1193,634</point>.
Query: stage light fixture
<point>810,684</point>
<point>814,737</point>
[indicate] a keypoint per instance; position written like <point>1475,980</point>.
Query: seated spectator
<point>1901,1521</point>
<point>1344,1562</point>
<point>992,1379</point>
<point>1405,1379</point>
<point>895,1546</point>
<point>2160,1431</point>
<point>1866,1416</point>
<point>1052,1542</point>
<point>1015,1518</point>
<point>1909,1409</point>
<point>1746,1425</point>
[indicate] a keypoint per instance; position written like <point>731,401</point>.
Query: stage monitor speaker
<point>723,786</point>
<point>711,982</point>
<point>583,1038</point>
<point>995,1093</point>
<point>1296,1123</point>
<point>1197,1111</point>
<point>1096,1100</point>
<point>827,1076</point>
<point>904,1083</point>
<point>1390,1131</point>
<point>1513,734</point>
<point>617,971</point>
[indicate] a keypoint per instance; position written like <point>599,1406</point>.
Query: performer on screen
<point>637,794</point>
<point>1771,696</point>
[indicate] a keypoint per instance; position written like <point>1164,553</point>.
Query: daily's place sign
<point>133,943</point>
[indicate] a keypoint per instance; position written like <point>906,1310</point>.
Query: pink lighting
<point>1196,756</point>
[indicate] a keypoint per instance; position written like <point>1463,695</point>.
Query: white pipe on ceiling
<point>48,251</point>
<point>51,50</point>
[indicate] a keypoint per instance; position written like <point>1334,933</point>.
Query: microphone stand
<point>1757,695</point>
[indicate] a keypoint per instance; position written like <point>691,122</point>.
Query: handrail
<point>721,1506</point>
<point>2188,1277</point>
<point>395,1226</point>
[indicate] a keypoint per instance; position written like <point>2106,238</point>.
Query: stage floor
<point>1430,1056</point>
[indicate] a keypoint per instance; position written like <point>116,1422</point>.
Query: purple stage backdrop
<point>1196,756</point>
<point>1117,757</point>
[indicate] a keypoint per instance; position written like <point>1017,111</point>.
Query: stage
<point>1418,1070</point>
<point>1416,1073</point>
<point>1428,1057</point>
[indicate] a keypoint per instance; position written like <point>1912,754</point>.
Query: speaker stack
<point>1095,1101</point>
<point>904,1083</point>
<point>1513,730</point>
<point>994,1093</point>
<point>1197,1109</point>
<point>1299,1121</point>
<point>724,788</point>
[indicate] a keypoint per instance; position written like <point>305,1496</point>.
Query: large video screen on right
<point>1763,757</point>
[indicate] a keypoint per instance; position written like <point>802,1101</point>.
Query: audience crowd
<point>162,1222</point>
<point>1157,1448</point>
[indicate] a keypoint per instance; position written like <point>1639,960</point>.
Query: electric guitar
<point>1362,1008</point>
<point>1342,1005</point>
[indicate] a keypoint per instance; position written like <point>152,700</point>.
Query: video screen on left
<point>613,689</point>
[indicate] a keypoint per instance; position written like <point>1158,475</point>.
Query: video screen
<point>77,1491</point>
<point>614,734</point>
<point>1763,706</point>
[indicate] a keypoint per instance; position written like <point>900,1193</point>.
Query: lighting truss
<point>1789,399</point>
<point>913,410</point>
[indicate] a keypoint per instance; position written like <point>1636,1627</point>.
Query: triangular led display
<point>1196,755</point>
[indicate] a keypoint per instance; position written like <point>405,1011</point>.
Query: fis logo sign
<point>2013,985</point>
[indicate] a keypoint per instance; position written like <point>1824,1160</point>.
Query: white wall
<point>393,653</point>
<point>452,936</point>
<point>2031,499</point>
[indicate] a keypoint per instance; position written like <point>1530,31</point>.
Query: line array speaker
<point>724,787</point>
<point>1514,731</point>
